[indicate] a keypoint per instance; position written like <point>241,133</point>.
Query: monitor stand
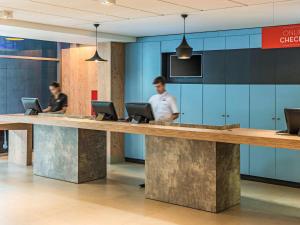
<point>139,119</point>
<point>31,112</point>
<point>100,116</point>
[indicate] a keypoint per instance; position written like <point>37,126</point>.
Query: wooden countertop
<point>267,138</point>
<point>13,126</point>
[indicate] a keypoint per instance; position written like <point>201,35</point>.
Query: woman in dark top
<point>58,102</point>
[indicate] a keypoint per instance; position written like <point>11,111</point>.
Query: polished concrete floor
<point>30,200</point>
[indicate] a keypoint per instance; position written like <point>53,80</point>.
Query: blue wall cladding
<point>28,47</point>
<point>25,78</point>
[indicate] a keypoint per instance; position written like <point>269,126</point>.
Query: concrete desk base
<point>198,174</point>
<point>20,142</point>
<point>69,154</point>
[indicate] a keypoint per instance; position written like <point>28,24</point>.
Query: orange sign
<point>281,37</point>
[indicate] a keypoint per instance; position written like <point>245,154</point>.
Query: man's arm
<point>63,111</point>
<point>175,116</point>
<point>48,109</point>
<point>65,105</point>
<point>175,111</point>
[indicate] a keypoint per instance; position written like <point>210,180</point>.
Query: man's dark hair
<point>159,80</point>
<point>55,84</point>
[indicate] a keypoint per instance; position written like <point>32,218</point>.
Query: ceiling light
<point>96,57</point>
<point>14,39</point>
<point>108,2</point>
<point>6,14</point>
<point>184,51</point>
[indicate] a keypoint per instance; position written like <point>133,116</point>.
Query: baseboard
<point>270,181</point>
<point>138,161</point>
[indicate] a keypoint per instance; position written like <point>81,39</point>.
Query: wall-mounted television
<point>181,68</point>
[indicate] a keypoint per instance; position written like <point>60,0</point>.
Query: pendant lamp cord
<point>184,26</point>
<point>184,16</point>
<point>96,25</point>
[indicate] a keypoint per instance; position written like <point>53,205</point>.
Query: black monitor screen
<point>139,112</point>
<point>186,67</point>
<point>292,117</point>
<point>106,109</point>
<point>32,106</point>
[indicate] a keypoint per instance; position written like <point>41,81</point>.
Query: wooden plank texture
<point>267,138</point>
<point>79,78</point>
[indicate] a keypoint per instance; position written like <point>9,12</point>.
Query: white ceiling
<point>154,17</point>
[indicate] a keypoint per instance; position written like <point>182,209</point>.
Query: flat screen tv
<point>186,67</point>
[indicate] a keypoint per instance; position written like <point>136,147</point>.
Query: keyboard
<point>282,132</point>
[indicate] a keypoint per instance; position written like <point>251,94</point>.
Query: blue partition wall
<point>252,105</point>
<point>30,78</point>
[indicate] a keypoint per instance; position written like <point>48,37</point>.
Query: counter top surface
<point>267,138</point>
<point>13,126</point>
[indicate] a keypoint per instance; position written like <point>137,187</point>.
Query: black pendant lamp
<point>184,51</point>
<point>96,57</point>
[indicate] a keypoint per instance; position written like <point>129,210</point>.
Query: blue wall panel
<point>196,44</point>
<point>151,67</point>
<point>237,104</point>
<point>133,93</point>
<point>191,103</point>
<point>49,74</point>
<point>26,78</point>
<point>175,90</point>
<point>255,41</point>
<point>215,43</point>
<point>237,42</point>
<point>237,111</point>
<point>16,89</point>
<point>170,45</point>
<point>287,161</point>
<point>134,73</point>
<point>262,116</point>
<point>3,91</point>
<point>214,104</point>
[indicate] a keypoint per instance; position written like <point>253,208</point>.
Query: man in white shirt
<point>163,104</point>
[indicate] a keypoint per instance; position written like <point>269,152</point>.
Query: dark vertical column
<point>2,98</point>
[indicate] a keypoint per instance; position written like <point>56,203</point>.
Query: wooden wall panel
<point>79,78</point>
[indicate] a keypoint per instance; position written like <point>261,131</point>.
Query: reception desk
<point>193,166</point>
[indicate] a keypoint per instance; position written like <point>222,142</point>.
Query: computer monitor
<point>32,106</point>
<point>292,117</point>
<point>139,112</point>
<point>104,110</point>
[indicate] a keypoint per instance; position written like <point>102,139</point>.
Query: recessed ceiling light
<point>14,39</point>
<point>108,2</point>
<point>6,14</point>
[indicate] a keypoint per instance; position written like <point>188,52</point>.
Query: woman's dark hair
<point>55,84</point>
<point>159,80</point>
